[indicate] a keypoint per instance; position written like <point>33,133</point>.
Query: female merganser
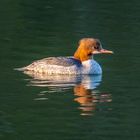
<point>81,63</point>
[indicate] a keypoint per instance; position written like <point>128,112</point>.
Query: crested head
<point>86,48</point>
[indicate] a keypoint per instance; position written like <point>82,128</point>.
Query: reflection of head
<point>84,95</point>
<point>88,99</point>
<point>85,99</point>
<point>80,90</point>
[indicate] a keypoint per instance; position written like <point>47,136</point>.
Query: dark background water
<point>34,29</point>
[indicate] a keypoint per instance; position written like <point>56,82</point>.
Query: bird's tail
<point>21,69</point>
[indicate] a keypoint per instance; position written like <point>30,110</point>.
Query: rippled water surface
<point>104,107</point>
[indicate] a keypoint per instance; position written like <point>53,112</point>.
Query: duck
<point>81,62</point>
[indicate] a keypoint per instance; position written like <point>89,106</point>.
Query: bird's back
<point>54,65</point>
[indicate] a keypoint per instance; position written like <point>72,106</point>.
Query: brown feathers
<point>86,48</point>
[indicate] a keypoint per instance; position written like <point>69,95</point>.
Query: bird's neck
<point>82,57</point>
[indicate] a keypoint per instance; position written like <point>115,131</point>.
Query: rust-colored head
<point>88,47</point>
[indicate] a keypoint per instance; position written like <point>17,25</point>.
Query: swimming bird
<point>81,63</point>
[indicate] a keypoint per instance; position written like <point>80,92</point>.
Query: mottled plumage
<point>61,61</point>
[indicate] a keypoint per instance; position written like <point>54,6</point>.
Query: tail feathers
<point>21,69</point>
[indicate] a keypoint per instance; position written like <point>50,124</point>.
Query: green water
<point>68,107</point>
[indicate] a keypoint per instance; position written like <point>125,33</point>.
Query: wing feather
<point>61,61</point>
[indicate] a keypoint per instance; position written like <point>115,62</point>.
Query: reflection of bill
<point>84,88</point>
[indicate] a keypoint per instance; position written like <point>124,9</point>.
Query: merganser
<point>81,63</point>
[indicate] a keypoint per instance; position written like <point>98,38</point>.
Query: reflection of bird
<point>80,63</point>
<point>83,85</point>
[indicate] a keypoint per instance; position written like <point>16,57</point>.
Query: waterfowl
<point>81,63</point>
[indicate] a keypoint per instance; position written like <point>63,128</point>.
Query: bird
<point>81,63</point>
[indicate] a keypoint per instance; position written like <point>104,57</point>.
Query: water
<point>90,107</point>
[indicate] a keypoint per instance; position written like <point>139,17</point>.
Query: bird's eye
<point>96,47</point>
